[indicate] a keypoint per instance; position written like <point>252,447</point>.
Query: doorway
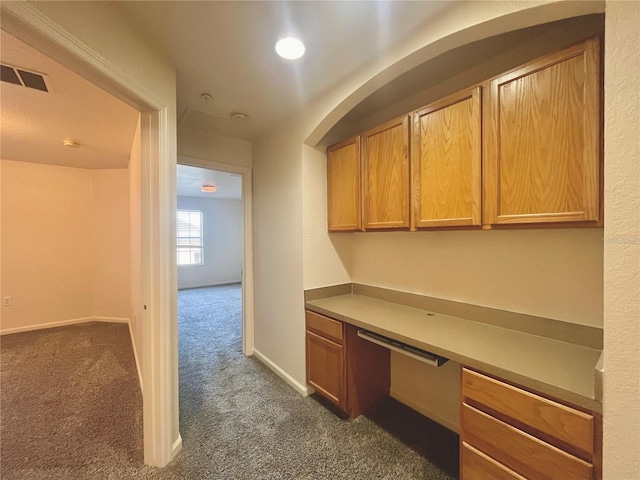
<point>209,258</point>
<point>227,257</point>
<point>211,254</point>
<point>157,183</point>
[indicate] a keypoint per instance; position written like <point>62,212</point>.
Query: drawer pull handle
<point>413,352</point>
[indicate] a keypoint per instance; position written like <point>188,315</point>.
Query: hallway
<point>64,388</point>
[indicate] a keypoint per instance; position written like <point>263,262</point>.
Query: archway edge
<point>475,25</point>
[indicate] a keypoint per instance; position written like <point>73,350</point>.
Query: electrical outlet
<point>7,301</point>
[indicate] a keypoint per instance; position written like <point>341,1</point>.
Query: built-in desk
<point>552,366</point>
<point>529,405</point>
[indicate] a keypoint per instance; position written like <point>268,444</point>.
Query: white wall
<point>46,244</point>
<point>277,236</point>
<point>65,244</point>
<point>222,241</point>
<point>214,147</point>
<point>553,273</point>
<point>111,255</point>
<point>327,259</point>
<point>622,243</point>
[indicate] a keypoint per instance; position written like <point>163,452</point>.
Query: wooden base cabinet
<point>507,432</point>
<point>350,372</point>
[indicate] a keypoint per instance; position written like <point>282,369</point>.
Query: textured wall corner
<point>622,242</point>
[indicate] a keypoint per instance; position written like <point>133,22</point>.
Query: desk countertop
<point>559,369</point>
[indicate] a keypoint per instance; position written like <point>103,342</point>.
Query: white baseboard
<point>203,285</point>
<point>135,356</point>
<point>176,447</point>
<point>445,422</point>
<point>110,319</point>
<point>302,389</point>
<point>62,323</point>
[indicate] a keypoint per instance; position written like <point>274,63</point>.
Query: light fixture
<point>71,144</point>
<point>208,188</point>
<point>290,48</point>
<point>206,97</point>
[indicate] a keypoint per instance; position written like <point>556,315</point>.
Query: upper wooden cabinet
<point>385,156</point>
<point>542,157</point>
<point>525,148</point>
<point>446,162</point>
<point>343,186</point>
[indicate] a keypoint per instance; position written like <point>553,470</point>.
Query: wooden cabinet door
<point>343,186</point>
<point>386,175</point>
<point>543,147</point>
<point>326,368</point>
<point>446,162</point>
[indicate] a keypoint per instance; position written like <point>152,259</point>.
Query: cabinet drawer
<point>519,451</point>
<point>564,423</point>
<point>327,327</point>
<point>475,465</point>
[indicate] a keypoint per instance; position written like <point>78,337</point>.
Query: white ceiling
<point>34,123</point>
<point>227,49</point>
<point>222,48</point>
<point>191,179</point>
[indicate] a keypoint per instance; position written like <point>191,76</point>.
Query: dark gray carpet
<point>238,419</point>
<point>70,405</point>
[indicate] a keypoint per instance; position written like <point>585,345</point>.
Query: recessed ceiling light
<point>290,48</point>
<point>70,144</point>
<point>208,188</point>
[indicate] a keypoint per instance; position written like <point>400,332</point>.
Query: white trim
<point>204,285</point>
<point>135,356</point>
<point>41,326</point>
<point>74,49</point>
<point>62,323</point>
<point>247,261</point>
<point>111,319</point>
<point>159,293</point>
<point>302,389</point>
<point>176,446</point>
<point>445,422</point>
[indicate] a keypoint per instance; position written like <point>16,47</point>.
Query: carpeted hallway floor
<point>237,418</point>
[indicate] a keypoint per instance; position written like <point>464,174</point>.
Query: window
<point>189,240</point>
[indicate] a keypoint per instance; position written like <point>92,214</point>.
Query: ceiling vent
<point>24,78</point>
